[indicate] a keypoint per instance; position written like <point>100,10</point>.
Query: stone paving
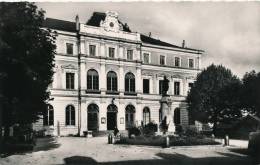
<point>74,150</point>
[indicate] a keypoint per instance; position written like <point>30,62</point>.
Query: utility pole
<point>79,74</point>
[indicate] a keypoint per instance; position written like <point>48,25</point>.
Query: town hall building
<point>107,76</point>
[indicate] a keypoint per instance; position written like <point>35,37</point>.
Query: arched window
<point>177,116</point>
<point>129,116</point>
<point>70,115</point>
<point>48,115</point>
<point>111,81</point>
<point>92,80</point>
<point>146,115</point>
<point>130,82</point>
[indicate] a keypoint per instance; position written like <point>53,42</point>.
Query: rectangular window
<point>130,54</point>
<point>191,63</point>
<point>69,47</point>
<point>176,88</point>
<point>146,86</point>
<point>162,60</point>
<point>69,80</point>
<point>160,86</point>
<point>177,61</point>
<point>146,58</point>
<point>92,50</point>
<point>111,52</point>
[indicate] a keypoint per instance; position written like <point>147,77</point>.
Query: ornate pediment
<point>111,22</point>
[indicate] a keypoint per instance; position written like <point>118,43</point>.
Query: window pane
<point>67,116</point>
<point>95,82</point>
<point>132,85</point>
<point>69,47</point>
<point>146,86</point>
<point>73,117</point>
<point>89,82</point>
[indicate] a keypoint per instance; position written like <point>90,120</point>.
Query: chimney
<point>150,34</point>
<point>77,22</point>
<point>183,44</point>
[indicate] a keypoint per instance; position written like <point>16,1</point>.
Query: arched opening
<point>93,117</point>
<point>92,80</point>
<point>111,117</point>
<point>177,116</point>
<point>146,116</point>
<point>129,116</point>
<point>130,82</point>
<point>111,81</point>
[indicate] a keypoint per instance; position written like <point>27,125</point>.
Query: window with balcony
<point>92,50</point>
<point>130,82</point>
<point>111,81</point>
<point>146,86</point>
<point>69,80</point>
<point>69,48</point>
<point>92,80</point>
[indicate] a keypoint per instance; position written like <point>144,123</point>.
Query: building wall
<point>103,64</point>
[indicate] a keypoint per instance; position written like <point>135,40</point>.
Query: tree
<point>251,93</point>
<point>26,62</point>
<point>214,97</point>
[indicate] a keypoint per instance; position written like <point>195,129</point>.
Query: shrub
<point>150,129</point>
<point>133,131</point>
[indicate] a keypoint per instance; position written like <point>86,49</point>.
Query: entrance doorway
<point>93,117</point>
<point>177,116</point>
<point>111,117</point>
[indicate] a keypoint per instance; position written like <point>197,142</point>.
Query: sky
<point>228,32</point>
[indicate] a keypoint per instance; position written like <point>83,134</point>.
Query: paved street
<point>73,150</point>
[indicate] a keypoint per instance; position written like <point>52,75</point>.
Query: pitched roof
<point>59,24</point>
<point>153,41</point>
<point>95,21</point>
<point>97,17</point>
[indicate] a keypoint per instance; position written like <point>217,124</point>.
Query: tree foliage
<point>251,92</point>
<point>215,96</point>
<point>26,62</point>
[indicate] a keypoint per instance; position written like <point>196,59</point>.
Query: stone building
<point>107,76</point>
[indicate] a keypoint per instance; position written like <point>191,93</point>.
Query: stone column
<point>121,80</point>
<point>102,49</point>
<point>138,80</point>
<point>102,78</point>
<point>155,82</point>
<point>83,77</point>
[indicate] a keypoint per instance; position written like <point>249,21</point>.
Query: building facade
<point>107,76</point>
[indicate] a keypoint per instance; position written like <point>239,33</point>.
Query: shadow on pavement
<point>167,159</point>
<point>45,144</point>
